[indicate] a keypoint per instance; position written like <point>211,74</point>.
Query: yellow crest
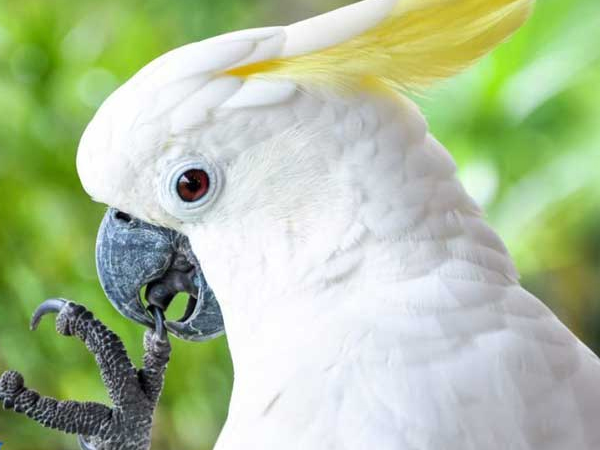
<point>417,43</point>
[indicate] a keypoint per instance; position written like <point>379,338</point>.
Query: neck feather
<point>407,243</point>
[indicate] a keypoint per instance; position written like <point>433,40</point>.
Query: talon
<point>84,444</point>
<point>159,322</point>
<point>54,305</point>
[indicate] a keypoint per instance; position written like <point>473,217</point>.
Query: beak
<point>131,254</point>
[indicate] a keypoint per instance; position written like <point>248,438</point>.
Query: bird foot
<point>134,393</point>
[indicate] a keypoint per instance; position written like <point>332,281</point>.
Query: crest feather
<point>416,44</point>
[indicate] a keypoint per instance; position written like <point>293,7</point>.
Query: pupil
<point>193,185</point>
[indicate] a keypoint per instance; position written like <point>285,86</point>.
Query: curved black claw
<point>159,322</point>
<point>53,305</point>
<point>84,444</point>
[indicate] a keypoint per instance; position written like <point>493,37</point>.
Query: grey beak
<point>131,254</point>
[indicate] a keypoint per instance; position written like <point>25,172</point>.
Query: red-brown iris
<point>193,185</point>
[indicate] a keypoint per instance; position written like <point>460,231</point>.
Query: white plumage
<point>367,303</point>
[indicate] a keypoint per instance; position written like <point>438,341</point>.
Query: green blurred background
<point>524,126</point>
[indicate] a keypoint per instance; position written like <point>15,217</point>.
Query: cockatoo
<point>281,172</point>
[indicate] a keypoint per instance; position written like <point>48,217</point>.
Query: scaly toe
<point>11,385</point>
<point>11,382</point>
<point>67,316</point>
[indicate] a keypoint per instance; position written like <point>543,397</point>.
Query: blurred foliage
<point>524,126</point>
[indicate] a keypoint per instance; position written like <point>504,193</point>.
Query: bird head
<point>221,161</point>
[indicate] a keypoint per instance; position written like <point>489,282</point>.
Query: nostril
<point>123,217</point>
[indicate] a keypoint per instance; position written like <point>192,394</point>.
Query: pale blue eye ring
<point>182,204</point>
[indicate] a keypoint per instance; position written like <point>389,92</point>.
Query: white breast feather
<point>423,338</point>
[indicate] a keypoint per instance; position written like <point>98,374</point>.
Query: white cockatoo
<point>366,302</point>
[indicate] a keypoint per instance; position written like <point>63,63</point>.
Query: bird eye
<point>192,185</point>
<point>189,186</point>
